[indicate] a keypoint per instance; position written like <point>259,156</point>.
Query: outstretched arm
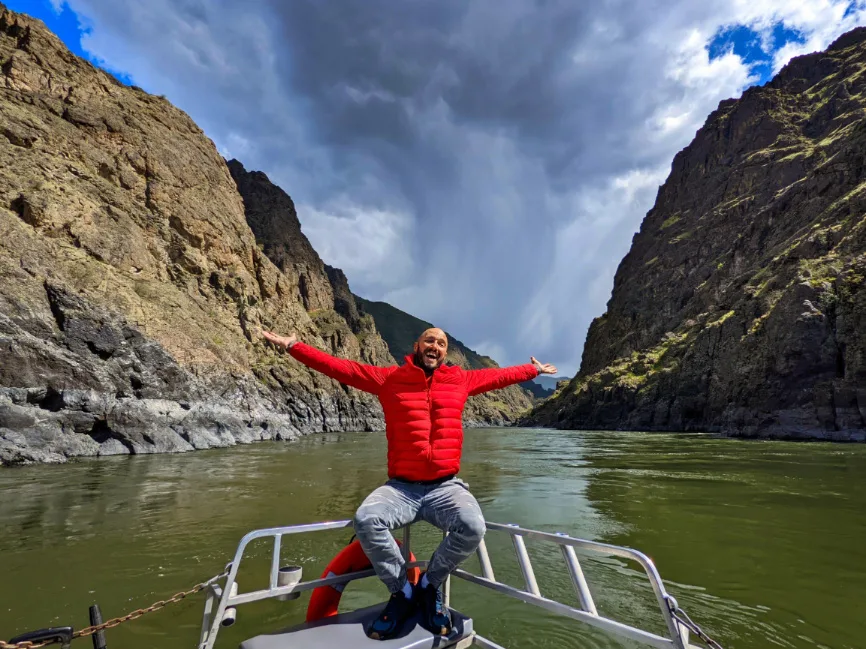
<point>368,378</point>
<point>500,377</point>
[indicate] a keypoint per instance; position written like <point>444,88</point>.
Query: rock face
<point>400,331</point>
<point>323,290</point>
<point>131,286</point>
<point>741,306</point>
<point>136,268</point>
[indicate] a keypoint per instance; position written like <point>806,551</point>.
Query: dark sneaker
<point>398,608</point>
<point>437,618</point>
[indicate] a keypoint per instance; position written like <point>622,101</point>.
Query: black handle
<point>96,620</point>
<point>61,634</point>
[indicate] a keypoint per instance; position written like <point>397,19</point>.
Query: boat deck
<point>347,630</point>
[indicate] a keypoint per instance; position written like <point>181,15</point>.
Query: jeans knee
<point>367,519</point>
<point>471,526</point>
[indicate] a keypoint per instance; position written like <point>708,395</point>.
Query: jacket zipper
<point>429,385</point>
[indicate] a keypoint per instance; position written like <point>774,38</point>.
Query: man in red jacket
<point>423,402</point>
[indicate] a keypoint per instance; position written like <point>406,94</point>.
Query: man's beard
<point>423,362</point>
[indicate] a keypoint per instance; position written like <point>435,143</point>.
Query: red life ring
<point>325,599</point>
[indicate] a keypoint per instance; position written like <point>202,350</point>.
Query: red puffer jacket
<point>423,416</point>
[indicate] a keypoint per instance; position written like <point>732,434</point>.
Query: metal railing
<point>227,597</point>
<point>587,612</point>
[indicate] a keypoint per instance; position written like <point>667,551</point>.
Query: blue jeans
<point>448,505</point>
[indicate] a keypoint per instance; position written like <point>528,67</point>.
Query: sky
<point>483,166</point>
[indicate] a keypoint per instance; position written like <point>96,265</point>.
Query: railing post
<point>525,564</point>
<point>206,618</point>
<point>684,634</point>
<point>680,632</point>
<point>275,561</point>
<point>484,560</point>
<point>407,539</point>
<point>446,587</point>
<point>577,578</point>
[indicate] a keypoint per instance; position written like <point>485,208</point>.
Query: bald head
<point>430,349</point>
<point>435,332</point>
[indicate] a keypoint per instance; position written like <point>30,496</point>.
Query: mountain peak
<point>849,39</point>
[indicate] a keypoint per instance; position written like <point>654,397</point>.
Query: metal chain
<point>25,645</point>
<point>110,624</point>
<point>682,617</point>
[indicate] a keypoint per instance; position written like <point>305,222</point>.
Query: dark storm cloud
<point>432,91</point>
<point>506,65</point>
<point>480,164</point>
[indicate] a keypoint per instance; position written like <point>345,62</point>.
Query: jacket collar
<point>410,361</point>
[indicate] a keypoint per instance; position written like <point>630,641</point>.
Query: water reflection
<point>761,541</point>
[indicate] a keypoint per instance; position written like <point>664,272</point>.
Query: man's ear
<point>415,348</point>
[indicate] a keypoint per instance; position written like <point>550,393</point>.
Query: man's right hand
<point>280,341</point>
<point>543,368</point>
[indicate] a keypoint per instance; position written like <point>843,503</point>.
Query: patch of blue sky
<point>68,26</point>
<point>755,48</point>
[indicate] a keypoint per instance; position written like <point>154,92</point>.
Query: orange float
<point>326,599</point>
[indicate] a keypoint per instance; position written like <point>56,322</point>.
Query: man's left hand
<point>543,368</point>
<point>280,341</point>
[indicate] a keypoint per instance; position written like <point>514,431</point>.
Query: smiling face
<point>431,349</point>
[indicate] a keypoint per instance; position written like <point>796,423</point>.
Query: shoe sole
<point>376,635</point>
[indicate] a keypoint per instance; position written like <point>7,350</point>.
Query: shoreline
<point>41,426</point>
<point>182,427</point>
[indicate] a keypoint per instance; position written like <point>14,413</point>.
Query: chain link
<point>117,621</point>
<point>25,645</point>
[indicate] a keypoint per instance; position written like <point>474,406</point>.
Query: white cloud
<point>589,247</point>
<point>491,349</point>
<point>821,23</point>
<point>368,244</point>
<point>235,146</point>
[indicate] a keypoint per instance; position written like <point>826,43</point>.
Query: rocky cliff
<point>136,268</point>
<point>400,330</point>
<point>131,285</point>
<point>741,306</point>
<point>323,291</point>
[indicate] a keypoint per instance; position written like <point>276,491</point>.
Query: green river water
<point>763,543</point>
